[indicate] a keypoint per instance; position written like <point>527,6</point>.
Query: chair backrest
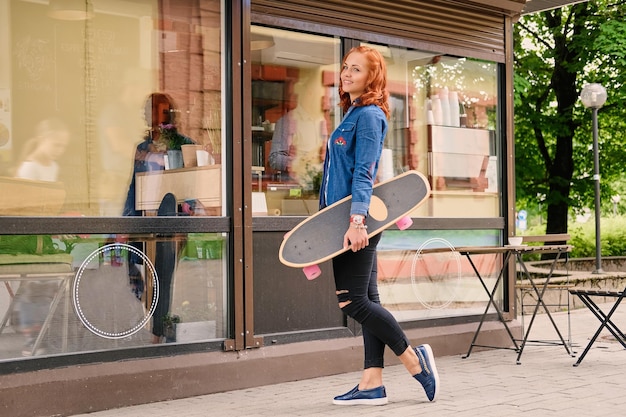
<point>553,238</point>
<point>21,197</point>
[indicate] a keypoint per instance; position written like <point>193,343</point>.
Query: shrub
<point>583,237</point>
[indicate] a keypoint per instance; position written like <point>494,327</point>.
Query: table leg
<point>491,302</point>
<point>61,291</point>
<point>540,302</point>
<point>7,315</point>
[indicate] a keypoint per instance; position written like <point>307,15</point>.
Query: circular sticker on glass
<point>115,291</point>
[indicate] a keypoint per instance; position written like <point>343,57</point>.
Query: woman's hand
<point>355,238</point>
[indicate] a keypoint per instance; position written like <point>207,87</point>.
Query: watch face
<point>357,219</point>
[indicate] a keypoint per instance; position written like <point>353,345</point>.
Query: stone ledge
<point>577,272</point>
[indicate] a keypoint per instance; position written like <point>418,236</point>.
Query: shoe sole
<point>373,401</point>
<point>433,369</point>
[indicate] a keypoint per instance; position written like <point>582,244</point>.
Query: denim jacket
<point>352,156</point>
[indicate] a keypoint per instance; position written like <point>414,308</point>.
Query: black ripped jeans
<point>356,282</point>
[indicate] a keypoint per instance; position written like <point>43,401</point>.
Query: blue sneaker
<point>429,378</point>
<point>374,396</point>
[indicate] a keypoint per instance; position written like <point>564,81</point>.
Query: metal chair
<point>585,296</point>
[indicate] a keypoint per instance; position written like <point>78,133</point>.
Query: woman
<point>40,154</point>
<point>350,167</point>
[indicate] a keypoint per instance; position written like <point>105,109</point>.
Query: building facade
<point>153,154</point>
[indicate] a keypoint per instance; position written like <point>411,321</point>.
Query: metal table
<point>517,253</point>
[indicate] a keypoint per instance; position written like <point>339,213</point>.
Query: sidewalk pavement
<point>488,383</point>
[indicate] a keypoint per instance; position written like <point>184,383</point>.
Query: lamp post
<point>593,96</point>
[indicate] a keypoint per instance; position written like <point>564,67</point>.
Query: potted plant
<point>174,142</point>
<point>169,327</point>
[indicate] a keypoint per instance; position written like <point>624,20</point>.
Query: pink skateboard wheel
<point>404,223</point>
<point>312,272</point>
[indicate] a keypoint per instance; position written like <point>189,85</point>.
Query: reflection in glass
<point>73,293</point>
<point>40,153</point>
<point>292,108</point>
<point>455,109</point>
<point>32,186</point>
<point>94,75</point>
<point>421,276</point>
<point>443,123</point>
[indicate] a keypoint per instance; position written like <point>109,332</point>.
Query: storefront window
<point>71,293</point>
<point>293,110</point>
<point>93,100</point>
<point>421,275</point>
<point>105,110</point>
<point>443,124</point>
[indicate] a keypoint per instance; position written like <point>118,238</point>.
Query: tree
<point>556,53</point>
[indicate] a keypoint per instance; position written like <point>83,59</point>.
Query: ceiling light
<point>70,9</point>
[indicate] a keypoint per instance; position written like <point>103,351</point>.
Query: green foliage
<point>583,241</point>
<point>612,236</point>
<point>172,138</point>
<point>556,53</point>
<point>170,319</point>
<point>27,244</point>
<point>583,237</point>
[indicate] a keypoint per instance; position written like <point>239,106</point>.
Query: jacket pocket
<point>347,126</point>
<point>346,134</point>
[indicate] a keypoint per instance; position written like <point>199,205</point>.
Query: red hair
<point>376,89</point>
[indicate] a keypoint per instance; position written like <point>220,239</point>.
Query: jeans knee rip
<point>343,296</point>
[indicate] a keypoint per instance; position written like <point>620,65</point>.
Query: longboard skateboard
<point>320,237</point>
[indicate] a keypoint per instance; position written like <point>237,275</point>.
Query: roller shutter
<point>467,28</point>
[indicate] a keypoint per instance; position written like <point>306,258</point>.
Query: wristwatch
<point>357,219</point>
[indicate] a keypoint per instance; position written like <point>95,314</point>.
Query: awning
<point>533,6</point>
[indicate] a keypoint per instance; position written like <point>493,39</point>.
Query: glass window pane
<point>416,282</point>
<point>88,105</point>
<point>294,108</point>
<point>443,124</point>
<point>455,116</point>
<point>460,157</point>
<point>73,293</point>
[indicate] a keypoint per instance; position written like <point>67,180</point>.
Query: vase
<point>175,159</point>
<point>169,332</point>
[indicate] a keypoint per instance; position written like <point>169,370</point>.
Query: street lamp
<point>593,96</point>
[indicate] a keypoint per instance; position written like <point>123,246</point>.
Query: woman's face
<point>354,75</point>
<point>55,144</point>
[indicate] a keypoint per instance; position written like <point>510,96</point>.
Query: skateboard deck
<point>320,237</point>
